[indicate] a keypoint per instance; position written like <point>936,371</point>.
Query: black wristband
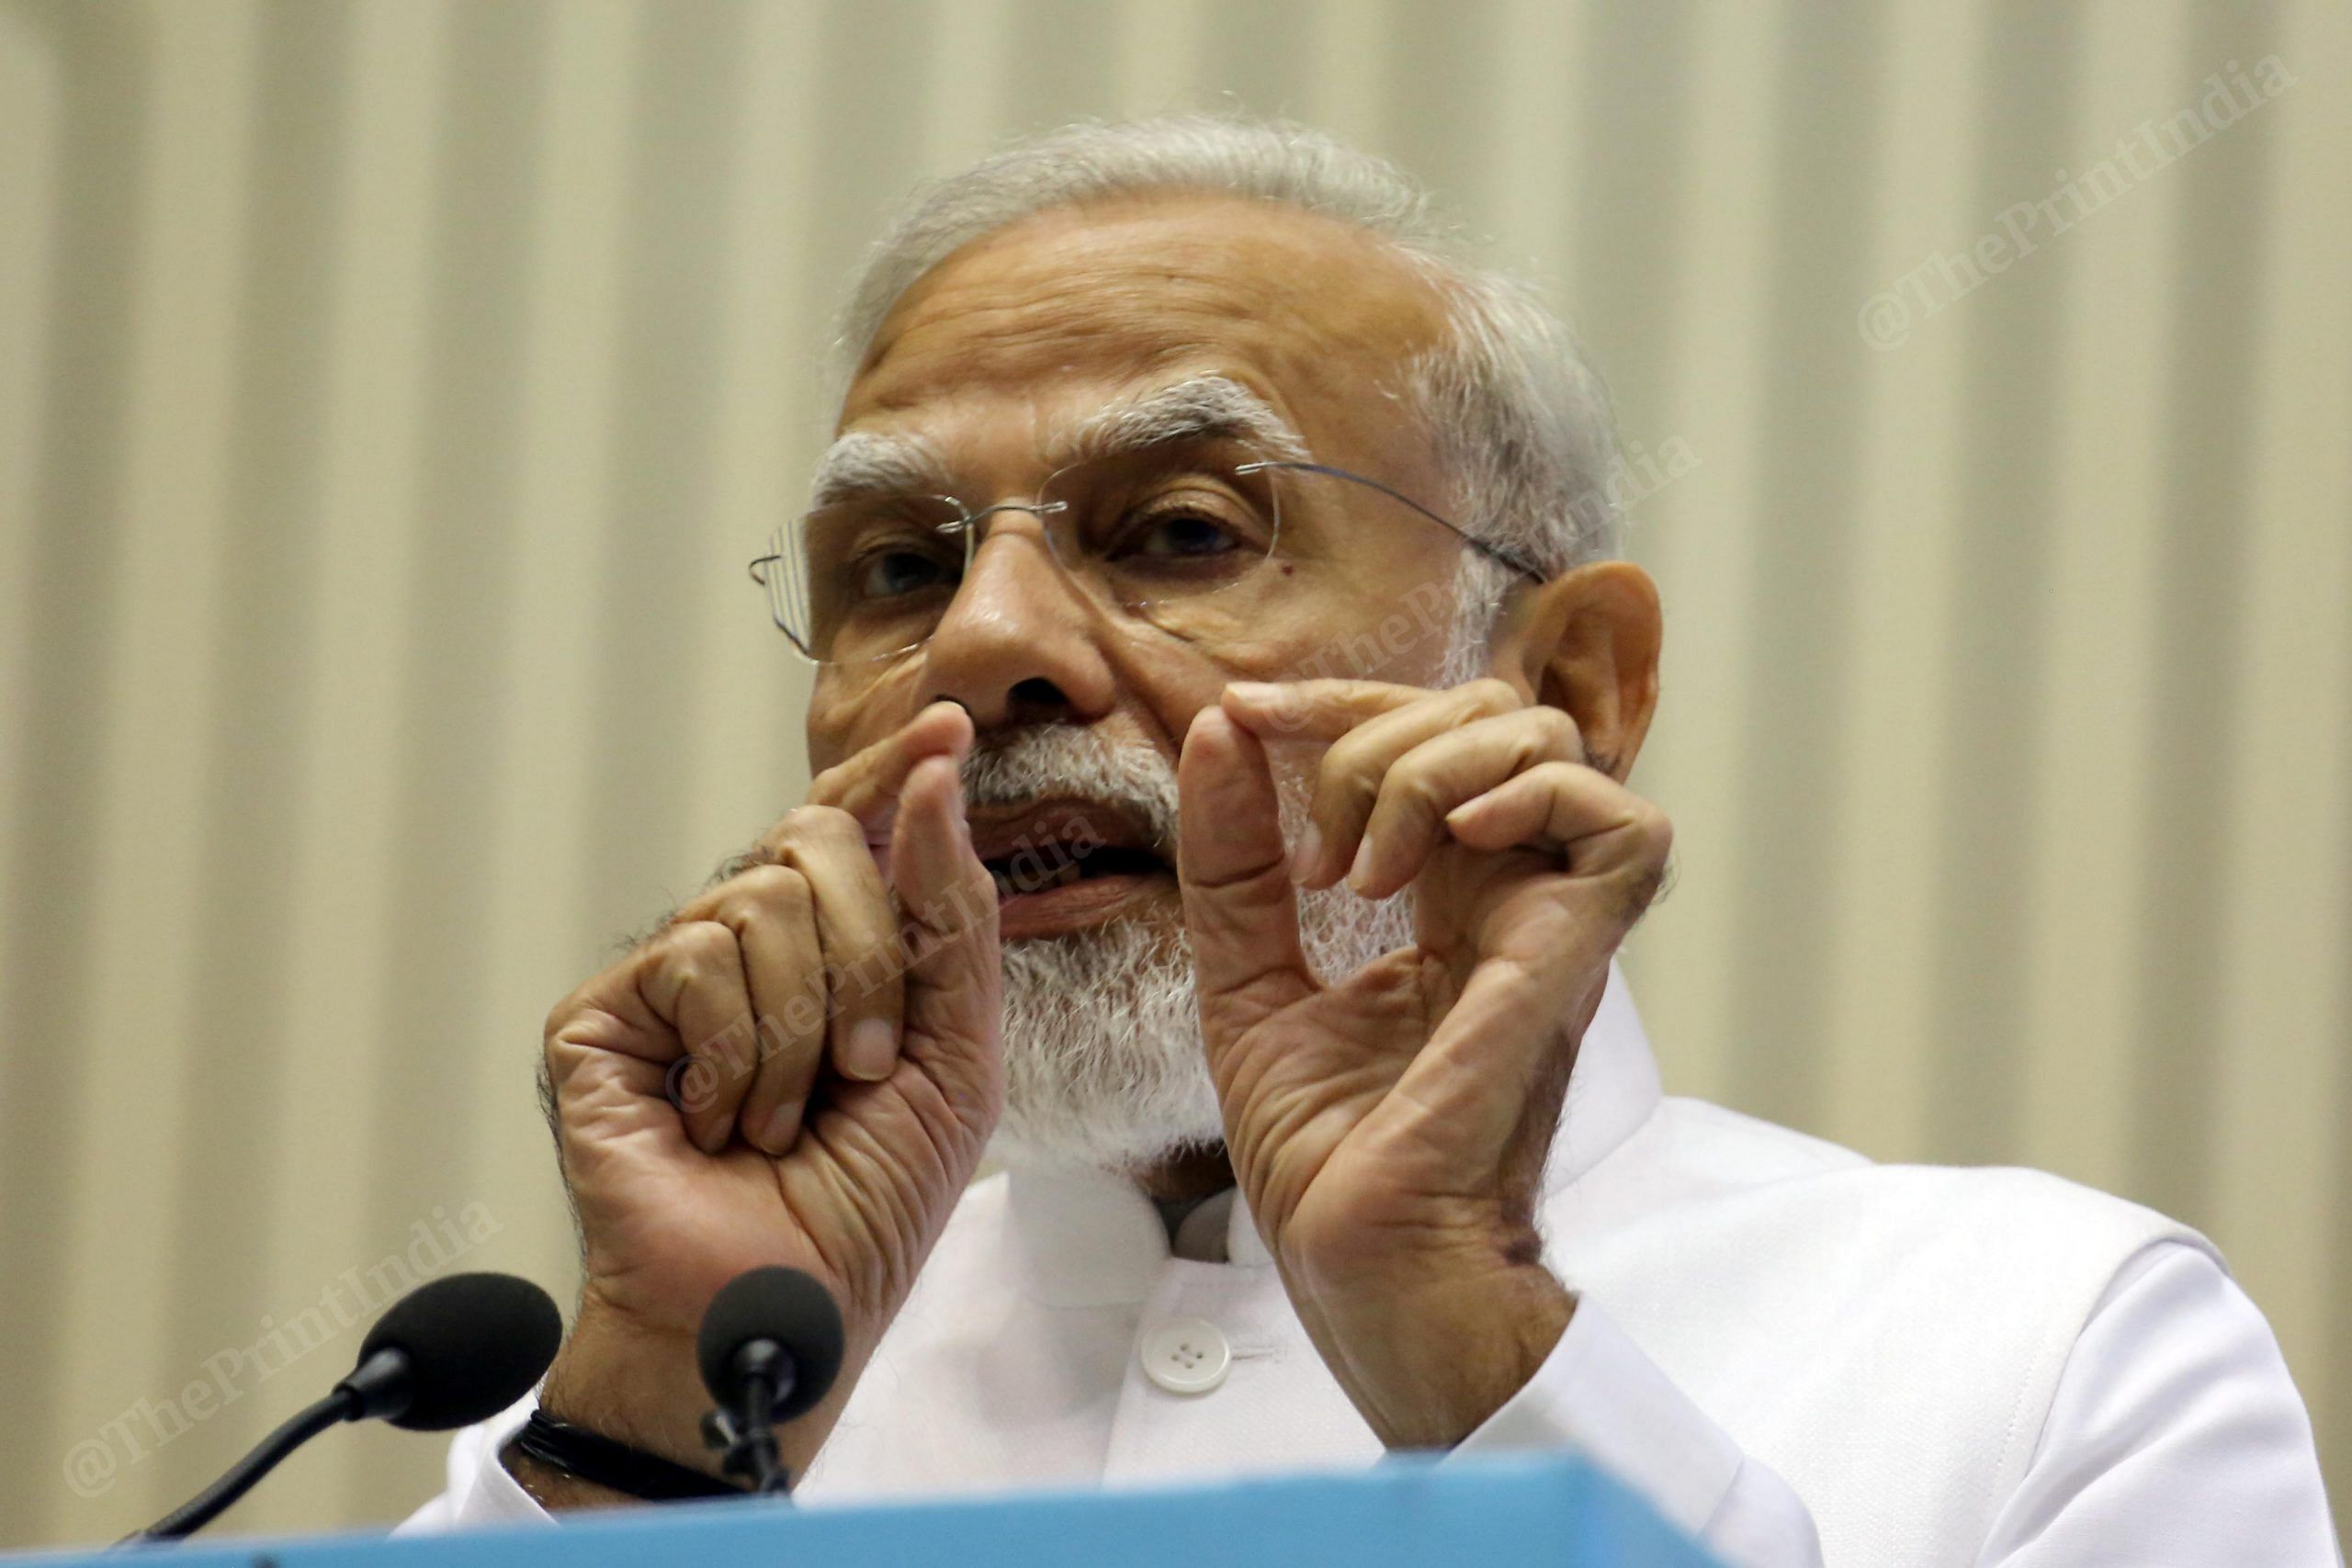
<point>575,1450</point>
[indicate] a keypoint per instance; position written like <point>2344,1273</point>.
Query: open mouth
<point>1063,865</point>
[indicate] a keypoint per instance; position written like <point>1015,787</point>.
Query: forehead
<point>1030,327</point>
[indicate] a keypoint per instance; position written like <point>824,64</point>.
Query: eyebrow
<point>1195,409</point>
<point>866,462</point>
<point>1198,408</point>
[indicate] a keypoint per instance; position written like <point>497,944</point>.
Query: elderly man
<point>1225,700</point>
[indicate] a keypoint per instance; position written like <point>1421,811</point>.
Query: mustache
<point>1064,761</point>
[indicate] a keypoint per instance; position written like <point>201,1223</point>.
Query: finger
<point>1562,804</point>
<point>1508,1041</point>
<point>1317,710</point>
<point>954,976</point>
<point>1347,780</point>
<point>1408,814</point>
<point>692,977</point>
<point>771,909</point>
<point>1240,910</point>
<point>868,784</point>
<point>1501,1052</point>
<point>1615,843</point>
<point>858,930</point>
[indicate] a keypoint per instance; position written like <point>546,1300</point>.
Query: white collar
<point>1091,1238</point>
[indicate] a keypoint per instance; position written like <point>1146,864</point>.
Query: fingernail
<point>1308,853</point>
<point>1360,874</point>
<point>783,1126</point>
<point>872,1051</point>
<point>1254,693</point>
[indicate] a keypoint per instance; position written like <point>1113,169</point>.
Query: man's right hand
<point>800,1067</point>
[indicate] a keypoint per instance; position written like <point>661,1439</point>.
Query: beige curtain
<point>390,392</point>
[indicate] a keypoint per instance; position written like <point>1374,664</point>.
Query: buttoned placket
<point>1273,1400</point>
<point>1094,1237</point>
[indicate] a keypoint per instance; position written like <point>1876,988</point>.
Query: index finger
<point>867,783</point>
<point>1317,710</point>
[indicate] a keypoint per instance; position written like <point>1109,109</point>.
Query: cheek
<point>1332,625</point>
<point>848,713</point>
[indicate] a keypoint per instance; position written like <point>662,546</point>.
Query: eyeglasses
<point>1180,534</point>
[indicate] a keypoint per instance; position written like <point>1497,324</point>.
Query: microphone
<point>451,1352</point>
<point>769,1348</point>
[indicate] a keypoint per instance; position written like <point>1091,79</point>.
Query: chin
<point>1103,1067</point>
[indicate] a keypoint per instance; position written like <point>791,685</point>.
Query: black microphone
<point>769,1348</point>
<point>456,1350</point>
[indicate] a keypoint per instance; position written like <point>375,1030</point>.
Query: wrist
<point>639,1385</point>
<point>632,1383</point>
<point>1431,1353</point>
<point>558,1491</point>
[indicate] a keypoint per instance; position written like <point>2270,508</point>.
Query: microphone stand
<point>743,1432</point>
<point>343,1404</point>
<point>376,1386</point>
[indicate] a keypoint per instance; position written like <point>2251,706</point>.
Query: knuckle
<point>1347,754</point>
<point>1642,890</point>
<point>559,1018</point>
<point>815,823</point>
<point>1655,830</point>
<point>1489,694</point>
<point>1353,795</point>
<point>767,886</point>
<point>1562,778</point>
<point>831,822</point>
<point>1346,780</point>
<point>1555,732</point>
<point>728,870</point>
<point>1415,785</point>
<point>694,951</point>
<point>826,785</point>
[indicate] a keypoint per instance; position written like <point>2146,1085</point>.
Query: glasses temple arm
<point>1494,552</point>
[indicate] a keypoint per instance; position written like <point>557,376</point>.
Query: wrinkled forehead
<point>1009,351</point>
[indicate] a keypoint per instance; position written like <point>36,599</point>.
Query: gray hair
<point>1514,413</point>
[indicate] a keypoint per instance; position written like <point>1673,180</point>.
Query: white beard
<point>1102,1055</point>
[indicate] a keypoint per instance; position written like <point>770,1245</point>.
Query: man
<point>1225,702</point>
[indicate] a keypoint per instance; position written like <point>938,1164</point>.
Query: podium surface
<point>1492,1512</point>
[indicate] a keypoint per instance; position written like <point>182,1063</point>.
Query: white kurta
<point>1796,1354</point>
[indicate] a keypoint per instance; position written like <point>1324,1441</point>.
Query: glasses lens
<point>1163,525</point>
<point>868,578</point>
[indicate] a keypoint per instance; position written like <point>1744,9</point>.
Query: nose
<point>1021,643</point>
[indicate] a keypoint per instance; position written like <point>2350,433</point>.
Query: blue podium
<point>1494,1513</point>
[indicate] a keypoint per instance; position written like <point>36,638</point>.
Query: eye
<point>893,574</point>
<point>1179,536</point>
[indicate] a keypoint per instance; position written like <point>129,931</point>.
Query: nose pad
<point>1028,527</point>
<point>980,527</point>
<point>1020,641</point>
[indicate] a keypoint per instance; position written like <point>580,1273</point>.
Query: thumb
<point>947,909</point>
<point>1240,910</point>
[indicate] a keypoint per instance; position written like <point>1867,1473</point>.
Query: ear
<point>1587,643</point>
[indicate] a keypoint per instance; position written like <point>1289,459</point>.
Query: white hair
<point>1514,414</point>
<point>1102,1059</point>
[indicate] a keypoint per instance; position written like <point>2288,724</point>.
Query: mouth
<point>1065,865</point>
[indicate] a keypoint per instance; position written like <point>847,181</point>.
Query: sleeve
<point>2175,1436</point>
<point>479,1491</point>
<point>1599,1394</point>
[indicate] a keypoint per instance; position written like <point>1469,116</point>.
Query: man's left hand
<point>1389,1129</point>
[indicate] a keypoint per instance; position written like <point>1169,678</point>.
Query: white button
<point>1186,1355</point>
